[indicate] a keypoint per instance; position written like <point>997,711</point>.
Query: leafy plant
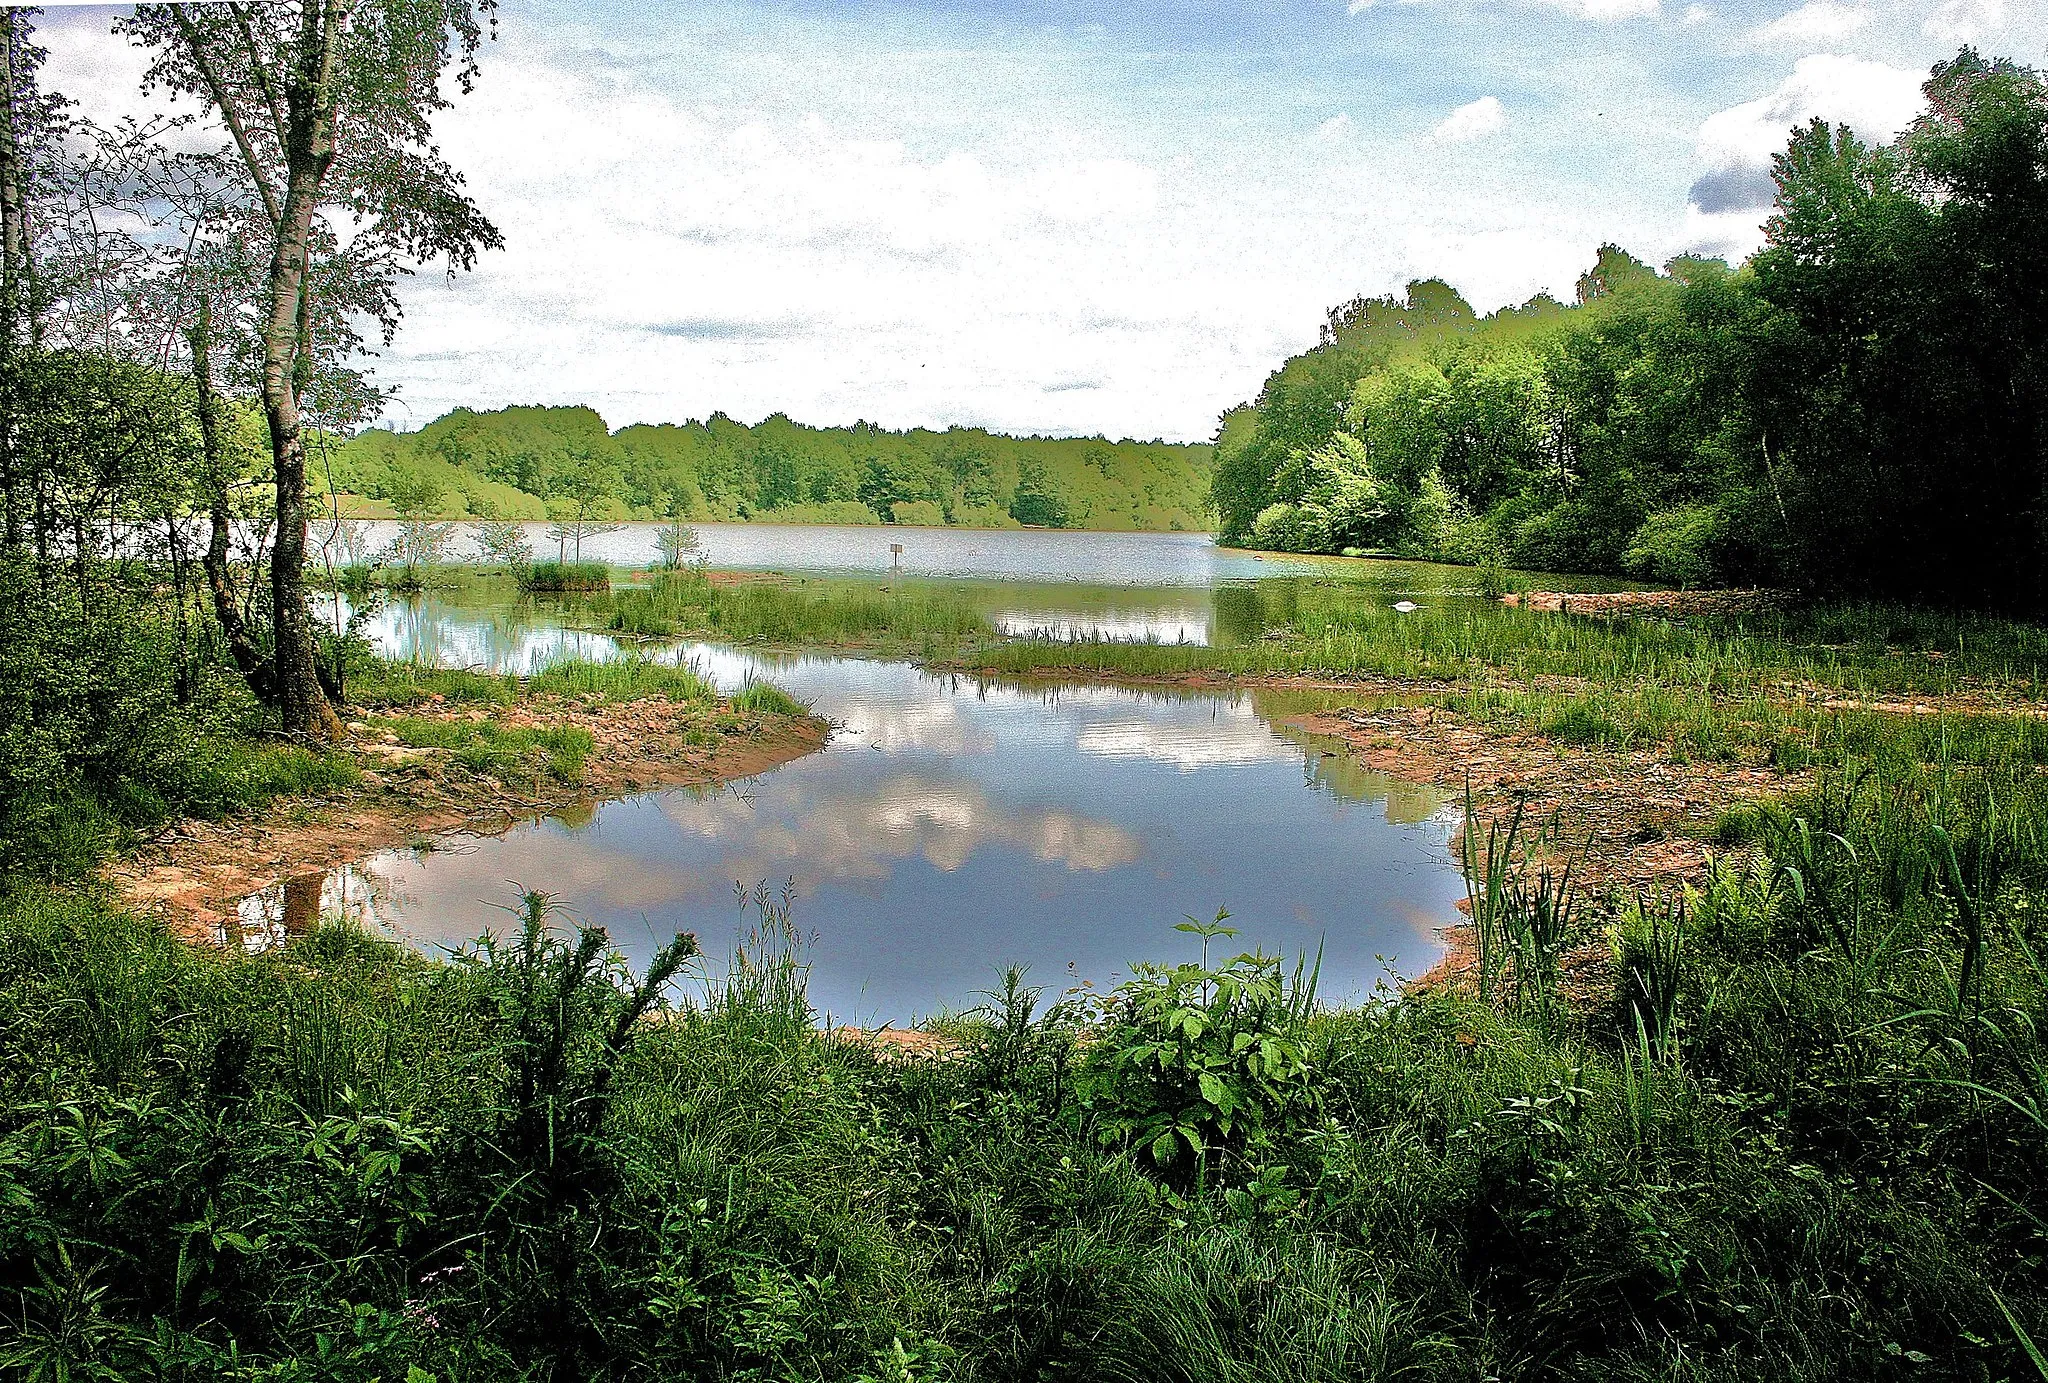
<point>1195,1060</point>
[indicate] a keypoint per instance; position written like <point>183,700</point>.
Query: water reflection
<point>955,826</point>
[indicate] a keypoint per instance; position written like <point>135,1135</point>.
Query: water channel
<point>955,826</point>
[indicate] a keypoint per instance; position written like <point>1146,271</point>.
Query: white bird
<point>1406,607</point>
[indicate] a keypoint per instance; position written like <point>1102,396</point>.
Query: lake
<point>1006,554</point>
<point>955,826</point>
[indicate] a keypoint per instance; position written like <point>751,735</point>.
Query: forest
<point>1859,409</point>
<point>534,463</point>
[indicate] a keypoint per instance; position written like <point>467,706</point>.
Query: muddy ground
<point>195,872</point>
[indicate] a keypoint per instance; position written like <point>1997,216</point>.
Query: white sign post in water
<point>895,556</point>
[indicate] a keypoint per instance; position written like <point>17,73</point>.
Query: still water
<point>955,826</point>
<point>1004,554</point>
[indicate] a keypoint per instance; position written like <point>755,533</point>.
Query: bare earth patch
<point>1675,604</point>
<point>195,871</point>
<point>1630,821</point>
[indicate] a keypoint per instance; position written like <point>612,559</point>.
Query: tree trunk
<point>249,659</point>
<point>13,277</point>
<point>301,701</point>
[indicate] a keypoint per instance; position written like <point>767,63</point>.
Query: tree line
<point>1857,410</point>
<point>542,462</point>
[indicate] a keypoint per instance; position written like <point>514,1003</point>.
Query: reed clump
<point>563,577</point>
<point>688,603</point>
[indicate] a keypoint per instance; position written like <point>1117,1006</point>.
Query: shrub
<point>1675,546</point>
<point>1194,1061</point>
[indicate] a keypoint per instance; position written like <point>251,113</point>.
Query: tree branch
<point>228,113</point>
<point>261,69</point>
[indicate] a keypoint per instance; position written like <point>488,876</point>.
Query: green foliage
<point>1855,411</point>
<point>518,461</point>
<point>1193,1061</point>
<point>565,576</point>
<point>1675,546</point>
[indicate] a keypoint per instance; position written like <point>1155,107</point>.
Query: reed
<point>563,577</point>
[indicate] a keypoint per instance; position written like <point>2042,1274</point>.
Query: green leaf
<point>2026,1341</point>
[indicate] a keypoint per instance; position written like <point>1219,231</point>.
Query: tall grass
<point>385,683</point>
<point>622,679</point>
<point>577,577</point>
<point>689,603</point>
<point>1807,1138</point>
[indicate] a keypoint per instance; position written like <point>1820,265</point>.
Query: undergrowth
<point>1804,1137</point>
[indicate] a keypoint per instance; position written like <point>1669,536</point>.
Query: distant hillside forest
<point>1862,408</point>
<point>547,462</point>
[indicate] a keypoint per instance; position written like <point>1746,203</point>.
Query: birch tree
<point>328,106</point>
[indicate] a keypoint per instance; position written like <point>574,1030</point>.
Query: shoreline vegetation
<point>1786,1119</point>
<point>437,753</point>
<point>1746,989</point>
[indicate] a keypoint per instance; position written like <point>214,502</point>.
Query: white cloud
<point>755,209</point>
<point>1232,739</point>
<point>1872,98</point>
<point>1475,120</point>
<point>1817,21</point>
<point>1731,198</point>
<point>1696,14</point>
<point>1966,21</point>
<point>839,835</point>
<point>1358,6</point>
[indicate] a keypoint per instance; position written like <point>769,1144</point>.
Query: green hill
<point>530,462</point>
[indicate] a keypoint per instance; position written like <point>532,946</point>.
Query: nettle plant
<point>1194,1062</point>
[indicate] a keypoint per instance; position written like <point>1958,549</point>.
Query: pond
<point>955,826</point>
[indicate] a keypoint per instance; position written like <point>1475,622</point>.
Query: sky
<point>1048,217</point>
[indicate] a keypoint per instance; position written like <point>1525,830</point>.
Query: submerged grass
<point>788,612</point>
<point>1806,1139</point>
<point>1326,629</point>
<point>1756,688</point>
